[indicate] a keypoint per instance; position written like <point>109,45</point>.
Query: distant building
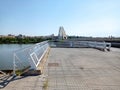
<point>62,35</point>
<point>11,36</point>
<point>21,36</point>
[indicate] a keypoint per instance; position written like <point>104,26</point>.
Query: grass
<point>18,72</point>
<point>45,85</point>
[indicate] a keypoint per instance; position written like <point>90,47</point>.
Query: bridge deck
<point>83,69</point>
<point>75,69</point>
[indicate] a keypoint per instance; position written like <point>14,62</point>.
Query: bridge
<point>70,65</point>
<point>31,57</point>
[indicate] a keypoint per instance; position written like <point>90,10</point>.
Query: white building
<point>62,35</point>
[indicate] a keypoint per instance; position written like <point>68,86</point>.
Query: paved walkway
<point>25,83</point>
<point>83,69</point>
<point>75,69</point>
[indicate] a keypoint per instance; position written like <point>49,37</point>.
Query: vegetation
<point>25,40</point>
<point>45,85</point>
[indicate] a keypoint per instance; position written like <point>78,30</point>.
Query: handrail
<point>78,44</point>
<point>29,56</point>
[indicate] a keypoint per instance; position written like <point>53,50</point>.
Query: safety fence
<point>80,44</point>
<point>30,57</point>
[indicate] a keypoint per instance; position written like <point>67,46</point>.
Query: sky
<point>97,18</point>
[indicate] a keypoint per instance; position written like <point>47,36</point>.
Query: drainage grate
<point>53,64</point>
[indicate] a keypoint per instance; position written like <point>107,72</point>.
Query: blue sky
<point>99,18</point>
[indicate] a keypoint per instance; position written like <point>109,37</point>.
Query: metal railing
<point>30,57</point>
<point>79,44</point>
<point>100,45</point>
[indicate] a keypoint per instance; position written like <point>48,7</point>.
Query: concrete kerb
<point>40,66</point>
<point>43,61</point>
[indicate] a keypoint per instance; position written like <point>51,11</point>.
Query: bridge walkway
<point>83,69</point>
<point>74,69</point>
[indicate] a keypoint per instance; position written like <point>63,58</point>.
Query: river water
<point>6,54</point>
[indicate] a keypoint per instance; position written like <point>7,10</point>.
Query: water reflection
<point>6,54</point>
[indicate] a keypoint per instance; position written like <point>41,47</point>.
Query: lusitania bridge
<point>64,65</point>
<point>31,58</point>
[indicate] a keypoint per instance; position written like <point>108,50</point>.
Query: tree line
<point>25,40</point>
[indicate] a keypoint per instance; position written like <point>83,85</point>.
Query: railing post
<point>71,44</point>
<point>14,65</point>
<point>105,45</point>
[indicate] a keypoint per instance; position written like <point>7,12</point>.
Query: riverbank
<point>25,40</point>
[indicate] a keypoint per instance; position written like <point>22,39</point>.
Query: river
<point>6,54</point>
